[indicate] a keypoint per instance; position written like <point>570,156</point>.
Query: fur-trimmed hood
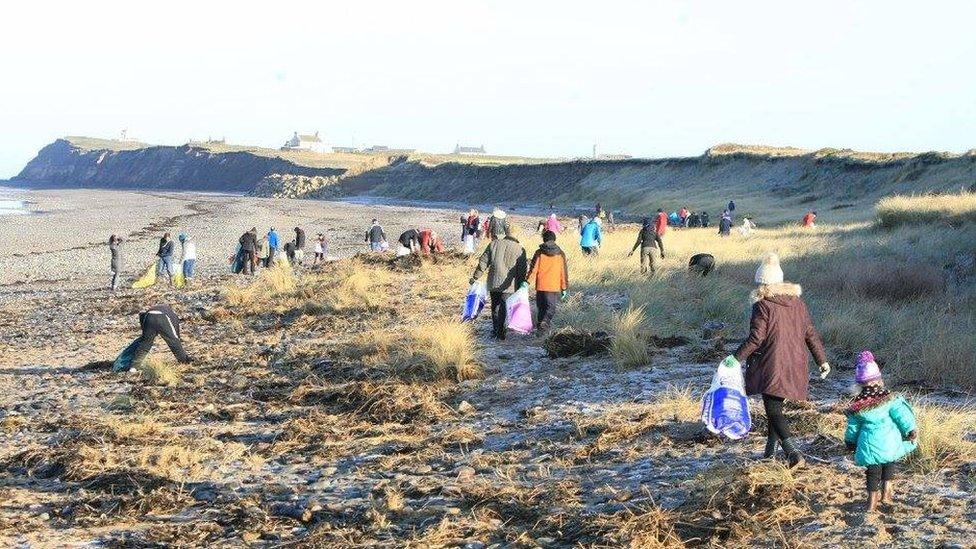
<point>769,291</point>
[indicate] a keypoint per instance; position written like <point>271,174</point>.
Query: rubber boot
<point>793,454</point>
<point>771,440</point>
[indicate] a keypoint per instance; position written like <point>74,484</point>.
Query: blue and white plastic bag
<point>474,302</point>
<point>725,409</point>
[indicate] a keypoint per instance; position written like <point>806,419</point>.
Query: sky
<point>532,78</point>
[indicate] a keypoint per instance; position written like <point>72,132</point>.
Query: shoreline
<point>67,246</point>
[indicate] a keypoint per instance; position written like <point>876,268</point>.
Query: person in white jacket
<point>747,227</point>
<point>189,256</point>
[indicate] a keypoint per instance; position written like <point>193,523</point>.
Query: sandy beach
<point>64,240</point>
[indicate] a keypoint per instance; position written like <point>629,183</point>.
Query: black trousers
<point>878,473</point>
<point>546,302</point>
<point>247,264</point>
<point>159,324</point>
<point>775,418</point>
<point>499,313</point>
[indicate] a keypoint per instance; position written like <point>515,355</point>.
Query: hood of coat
<point>781,293</point>
<point>550,248</point>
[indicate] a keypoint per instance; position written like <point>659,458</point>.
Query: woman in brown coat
<point>775,353</point>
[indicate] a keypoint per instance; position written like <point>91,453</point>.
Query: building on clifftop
<point>458,149</point>
<point>306,143</point>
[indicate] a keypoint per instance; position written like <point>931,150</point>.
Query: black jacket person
<point>650,244</point>
<point>505,261</point>
<point>158,320</point>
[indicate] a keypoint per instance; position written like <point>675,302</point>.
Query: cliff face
<point>805,179</point>
<point>63,164</point>
<point>785,179</point>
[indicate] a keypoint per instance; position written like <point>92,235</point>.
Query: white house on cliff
<point>306,143</point>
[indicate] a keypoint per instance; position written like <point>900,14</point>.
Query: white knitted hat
<point>498,214</point>
<point>769,271</point>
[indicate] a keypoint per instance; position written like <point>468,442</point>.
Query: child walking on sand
<point>881,430</point>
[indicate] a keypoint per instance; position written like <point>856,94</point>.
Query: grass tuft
<point>443,350</point>
<point>160,372</point>
<point>629,346</point>
<point>943,433</point>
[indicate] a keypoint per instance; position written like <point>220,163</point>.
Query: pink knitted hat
<point>867,368</point>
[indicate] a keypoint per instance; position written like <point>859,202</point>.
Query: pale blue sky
<point>531,78</point>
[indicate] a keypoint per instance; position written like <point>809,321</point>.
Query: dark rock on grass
<point>572,342</point>
<point>668,342</point>
<point>713,329</point>
<point>125,481</point>
<point>709,354</point>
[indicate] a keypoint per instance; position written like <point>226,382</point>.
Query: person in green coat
<point>881,429</point>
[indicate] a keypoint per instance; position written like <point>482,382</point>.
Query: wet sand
<point>64,242</point>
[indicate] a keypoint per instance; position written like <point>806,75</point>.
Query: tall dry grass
<point>944,437</point>
<point>867,289</point>
<point>952,208</point>
<point>441,350</point>
<point>629,346</point>
<point>272,282</point>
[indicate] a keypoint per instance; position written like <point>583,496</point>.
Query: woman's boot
<point>793,454</point>
<point>771,440</point>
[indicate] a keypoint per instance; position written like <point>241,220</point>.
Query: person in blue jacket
<point>591,237</point>
<point>881,429</point>
<point>273,246</point>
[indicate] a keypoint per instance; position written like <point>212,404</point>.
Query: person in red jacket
<point>683,214</point>
<point>661,222</point>
<point>430,242</point>
<point>809,218</point>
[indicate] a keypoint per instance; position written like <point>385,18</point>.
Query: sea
<point>10,205</point>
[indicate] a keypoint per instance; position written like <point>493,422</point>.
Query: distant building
<point>345,149</point>
<point>306,143</point>
<point>458,149</point>
<point>613,157</point>
<point>387,150</point>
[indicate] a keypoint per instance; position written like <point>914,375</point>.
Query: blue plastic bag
<point>474,302</point>
<point>124,361</point>
<point>725,409</point>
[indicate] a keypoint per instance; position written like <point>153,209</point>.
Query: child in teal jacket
<point>880,428</point>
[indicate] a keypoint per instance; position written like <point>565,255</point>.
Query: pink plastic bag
<point>519,312</point>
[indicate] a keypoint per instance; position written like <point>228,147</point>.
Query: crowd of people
<point>253,253</point>
<point>881,427</point>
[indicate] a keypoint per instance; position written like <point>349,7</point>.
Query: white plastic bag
<point>474,302</point>
<point>519,312</point>
<point>725,409</point>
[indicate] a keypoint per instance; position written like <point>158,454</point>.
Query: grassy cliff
<point>773,185</point>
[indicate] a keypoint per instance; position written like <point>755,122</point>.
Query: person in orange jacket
<point>550,276</point>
